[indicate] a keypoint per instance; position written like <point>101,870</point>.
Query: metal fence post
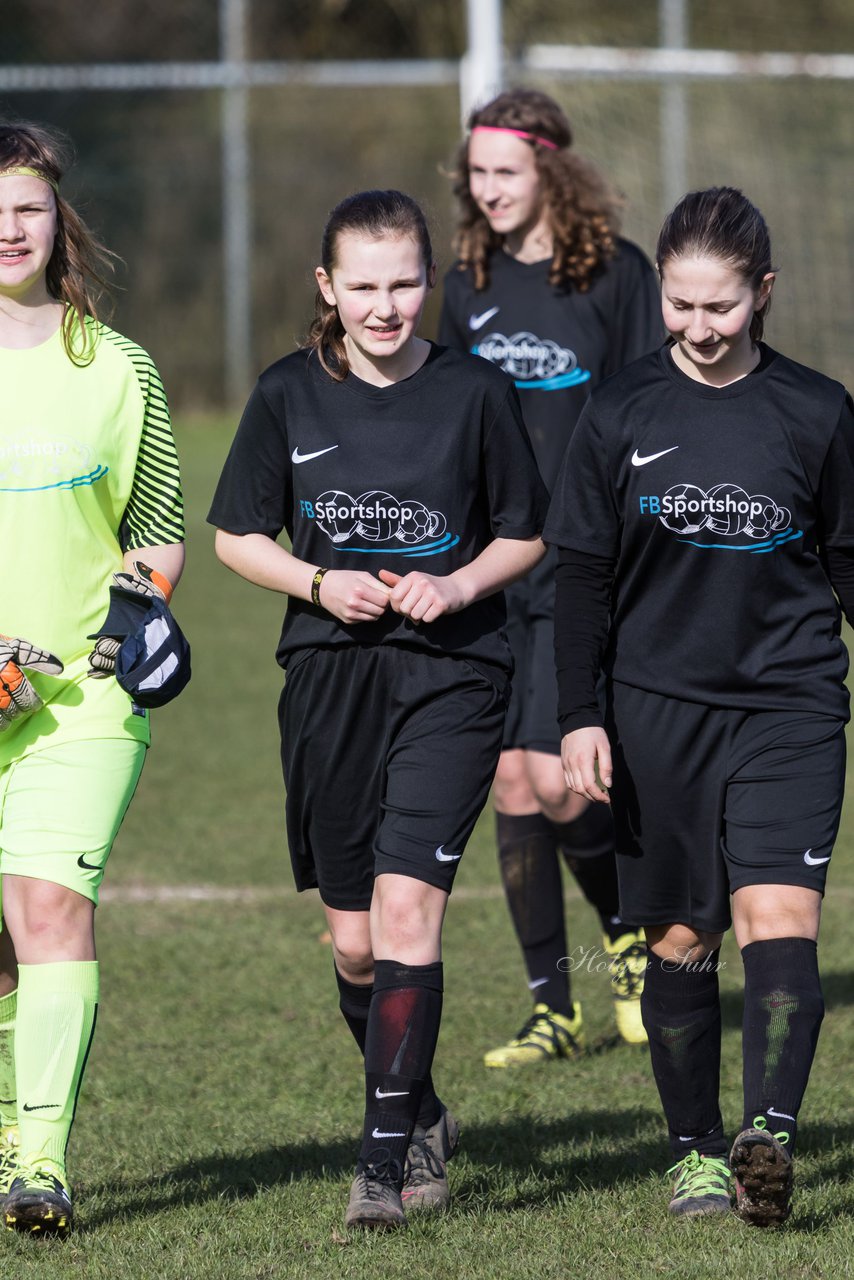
<point>236,206</point>
<point>482,65</point>
<point>674,124</point>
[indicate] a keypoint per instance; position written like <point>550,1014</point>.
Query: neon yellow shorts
<point>60,810</point>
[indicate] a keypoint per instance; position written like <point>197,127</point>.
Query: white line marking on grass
<point>153,893</point>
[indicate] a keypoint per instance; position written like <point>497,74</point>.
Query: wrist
<point>317,579</point>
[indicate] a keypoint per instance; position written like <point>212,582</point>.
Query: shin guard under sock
<point>355,1003</point>
<point>530,872</point>
<point>8,1093</point>
<point>57,1007</point>
<point>682,1016</point>
<point>587,844</point>
<point>783,1011</point>
<point>403,1027</point>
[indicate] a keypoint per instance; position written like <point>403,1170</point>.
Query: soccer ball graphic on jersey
<point>685,514</point>
<point>417,523</point>
<point>765,517</point>
<point>338,524</point>
<point>379,526</point>
<point>732,520</point>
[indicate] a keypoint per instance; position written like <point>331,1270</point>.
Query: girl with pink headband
<point>545,288</point>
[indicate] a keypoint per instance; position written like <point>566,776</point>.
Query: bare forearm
<point>259,559</point>
<point>504,561</point>
<point>167,559</point>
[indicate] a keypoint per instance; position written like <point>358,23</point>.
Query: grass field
<point>220,1114</point>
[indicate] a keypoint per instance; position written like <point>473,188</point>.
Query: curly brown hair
<point>375,214</point>
<point>583,210</point>
<point>78,267</point>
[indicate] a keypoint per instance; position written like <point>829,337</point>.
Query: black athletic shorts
<point>707,800</point>
<point>532,715</point>
<point>388,756</point>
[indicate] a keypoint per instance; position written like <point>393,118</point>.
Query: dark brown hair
<point>582,209</point>
<point>78,266</point>
<point>375,214</point>
<point>720,222</point>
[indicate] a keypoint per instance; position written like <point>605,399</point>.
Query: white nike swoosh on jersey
<point>814,862</point>
<point>477,322</point>
<point>399,1093</point>
<point>376,1134</point>
<point>298,457</point>
<point>638,461</point>
<point>446,857</point>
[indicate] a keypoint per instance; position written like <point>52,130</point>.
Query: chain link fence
<point>150,171</point>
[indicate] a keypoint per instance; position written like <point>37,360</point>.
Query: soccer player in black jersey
<point>90,488</point>
<point>705,506</point>
<point>546,289</point>
<point>404,478</point>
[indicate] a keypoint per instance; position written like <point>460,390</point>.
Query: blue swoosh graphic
<point>91,478</point>
<point>573,379</point>
<point>419,549</point>
<point>755,547</point>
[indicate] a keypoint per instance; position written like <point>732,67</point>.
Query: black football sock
<point>403,1027</point>
<point>682,1016</point>
<point>587,844</point>
<point>783,1010</point>
<point>355,1002</point>
<point>530,872</point>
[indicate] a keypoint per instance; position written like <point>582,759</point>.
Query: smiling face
<point>379,287</point>
<point>708,306</point>
<point>505,185</point>
<point>28,225</point>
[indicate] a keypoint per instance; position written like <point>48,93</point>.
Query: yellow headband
<point>24,171</point>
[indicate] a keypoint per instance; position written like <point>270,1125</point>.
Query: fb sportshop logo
<point>31,465</point>
<point>377,516</point>
<point>536,364</point>
<point>726,510</point>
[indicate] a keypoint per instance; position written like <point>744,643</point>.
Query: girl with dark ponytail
<point>403,476</point>
<point>705,537</point>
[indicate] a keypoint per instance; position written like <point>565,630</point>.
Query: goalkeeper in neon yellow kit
<point>90,489</point>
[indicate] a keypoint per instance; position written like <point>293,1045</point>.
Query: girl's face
<point>708,307</point>
<point>379,287</point>
<point>27,234</point>
<point>504,183</point>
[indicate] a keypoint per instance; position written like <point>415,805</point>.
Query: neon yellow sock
<point>57,1005</point>
<point>8,1096</point>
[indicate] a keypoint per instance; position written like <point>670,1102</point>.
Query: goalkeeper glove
<point>17,695</point>
<point>131,597</point>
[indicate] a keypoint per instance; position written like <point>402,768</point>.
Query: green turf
<point>220,1114</point>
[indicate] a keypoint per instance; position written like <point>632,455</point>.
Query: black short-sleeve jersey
<point>422,474</point>
<point>717,504</point>
<point>557,344</point>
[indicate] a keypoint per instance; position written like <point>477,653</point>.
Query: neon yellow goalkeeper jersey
<point>88,470</point>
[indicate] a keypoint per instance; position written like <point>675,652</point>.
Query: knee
<point>353,957</point>
<point>511,788</point>
<point>681,943</point>
<point>47,921</point>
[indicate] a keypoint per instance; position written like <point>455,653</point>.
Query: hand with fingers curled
<point>582,752</point>
<point>352,595</point>
<point>131,596</point>
<point>423,597</point>
<point>18,698</point>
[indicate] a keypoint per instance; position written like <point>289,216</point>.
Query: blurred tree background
<point>149,180</point>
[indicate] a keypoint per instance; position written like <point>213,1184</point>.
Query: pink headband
<point>517,133</point>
